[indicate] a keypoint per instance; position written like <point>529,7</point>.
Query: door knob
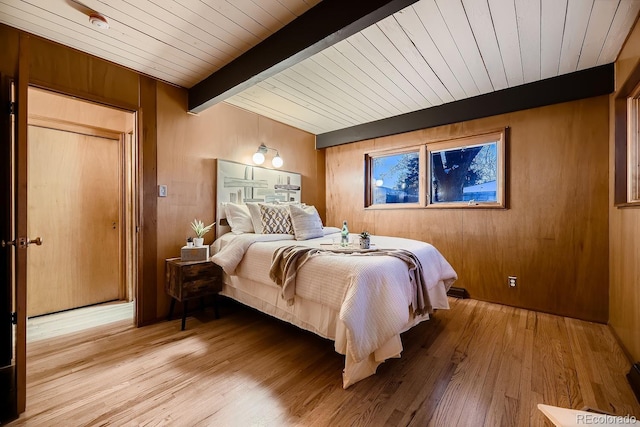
<point>23,242</point>
<point>37,241</point>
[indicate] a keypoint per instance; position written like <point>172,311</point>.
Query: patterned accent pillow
<point>306,222</point>
<point>275,219</point>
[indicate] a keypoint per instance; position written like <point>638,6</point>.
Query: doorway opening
<point>82,202</point>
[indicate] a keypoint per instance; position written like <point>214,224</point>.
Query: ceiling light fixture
<point>98,20</point>
<point>258,156</point>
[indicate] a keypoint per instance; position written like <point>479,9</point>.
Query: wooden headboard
<point>240,183</point>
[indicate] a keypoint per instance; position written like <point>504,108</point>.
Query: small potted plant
<point>200,230</point>
<point>365,240</point>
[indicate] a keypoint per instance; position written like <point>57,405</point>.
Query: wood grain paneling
<point>624,239</point>
<point>187,148</point>
<point>148,221</point>
<point>553,237</point>
<point>10,51</point>
<point>71,72</point>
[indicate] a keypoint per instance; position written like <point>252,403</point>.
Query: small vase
<point>365,243</point>
<point>198,242</point>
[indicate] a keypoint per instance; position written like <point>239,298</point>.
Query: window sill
<point>400,206</point>
<point>394,206</point>
<point>465,205</point>
<point>627,205</point>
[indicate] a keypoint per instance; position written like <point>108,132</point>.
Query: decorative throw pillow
<point>238,218</point>
<point>256,217</point>
<point>306,222</point>
<point>275,219</point>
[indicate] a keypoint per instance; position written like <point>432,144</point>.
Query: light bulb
<point>277,161</point>
<point>379,182</point>
<point>258,158</point>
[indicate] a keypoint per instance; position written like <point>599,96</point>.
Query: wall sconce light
<point>258,156</point>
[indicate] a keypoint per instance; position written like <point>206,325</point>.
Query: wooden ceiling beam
<point>324,25</point>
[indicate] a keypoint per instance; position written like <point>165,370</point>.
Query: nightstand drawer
<point>192,279</point>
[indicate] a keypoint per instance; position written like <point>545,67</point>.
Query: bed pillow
<point>256,217</point>
<point>275,219</point>
<point>331,230</point>
<point>238,218</point>
<point>306,222</point>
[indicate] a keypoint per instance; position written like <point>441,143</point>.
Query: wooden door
<point>8,389</point>
<point>74,205</point>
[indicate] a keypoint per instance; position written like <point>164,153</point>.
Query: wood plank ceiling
<point>430,53</point>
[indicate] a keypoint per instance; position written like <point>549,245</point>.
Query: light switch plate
<point>162,191</point>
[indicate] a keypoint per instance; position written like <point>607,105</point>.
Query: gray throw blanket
<point>288,259</point>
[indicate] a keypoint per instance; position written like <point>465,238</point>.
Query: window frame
<point>369,181</point>
<point>424,185</point>
<point>633,146</point>
<point>499,137</point>
<point>626,192</point>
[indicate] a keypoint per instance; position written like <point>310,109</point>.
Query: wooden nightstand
<point>186,280</point>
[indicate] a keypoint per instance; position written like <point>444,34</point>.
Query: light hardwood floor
<point>478,364</point>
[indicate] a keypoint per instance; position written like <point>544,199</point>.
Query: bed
<point>361,300</point>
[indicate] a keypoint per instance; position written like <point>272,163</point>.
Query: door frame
<point>128,181</point>
<point>126,284</point>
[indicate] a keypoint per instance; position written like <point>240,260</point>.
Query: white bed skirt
<point>321,320</point>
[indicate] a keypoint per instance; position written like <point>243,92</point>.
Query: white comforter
<point>371,294</point>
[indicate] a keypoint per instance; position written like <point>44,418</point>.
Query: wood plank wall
<point>187,148</point>
<point>553,237</point>
<point>624,241</point>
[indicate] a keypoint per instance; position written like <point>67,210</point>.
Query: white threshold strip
<point>70,321</point>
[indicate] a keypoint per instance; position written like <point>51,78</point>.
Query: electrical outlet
<point>162,191</point>
<point>513,281</point>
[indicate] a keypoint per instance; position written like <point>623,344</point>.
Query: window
<point>627,142</point>
<point>394,178</point>
<point>467,172</point>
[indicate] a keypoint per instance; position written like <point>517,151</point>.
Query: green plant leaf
<point>200,229</point>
